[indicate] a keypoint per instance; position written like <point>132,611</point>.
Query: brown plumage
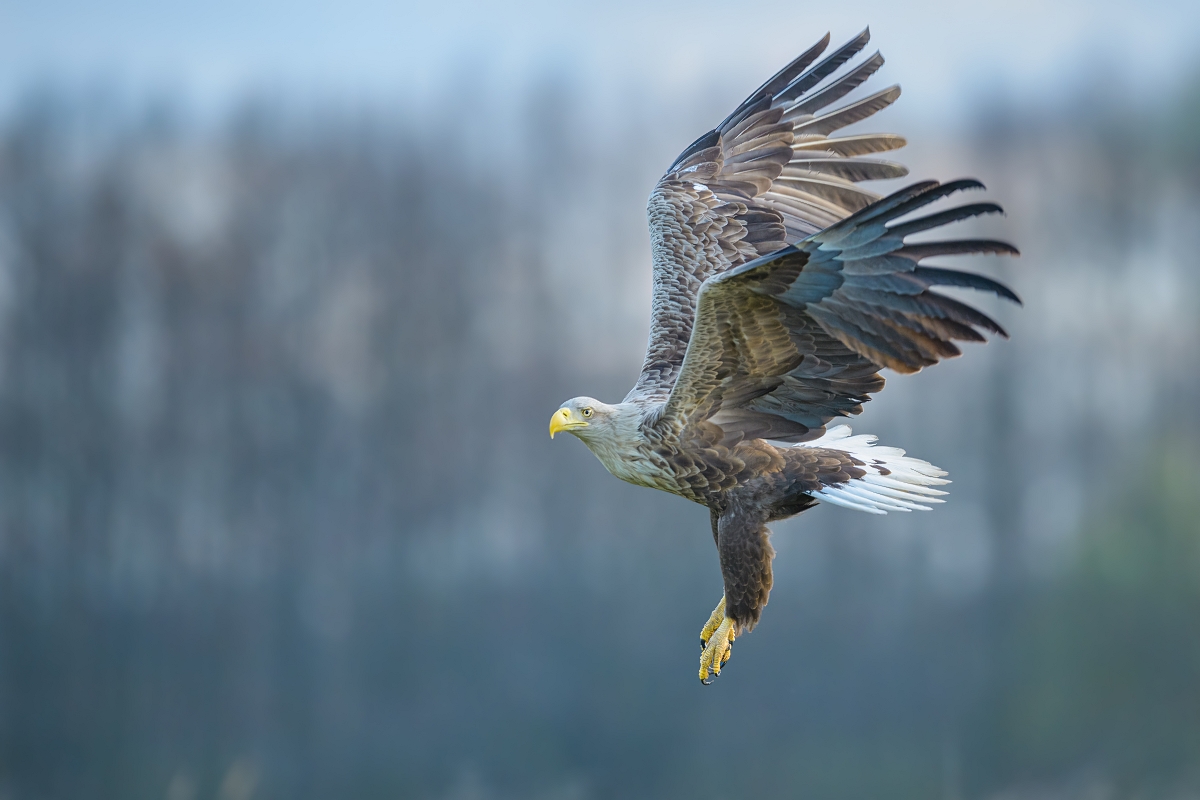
<point>780,290</point>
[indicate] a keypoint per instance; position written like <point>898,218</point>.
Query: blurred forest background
<point>279,517</point>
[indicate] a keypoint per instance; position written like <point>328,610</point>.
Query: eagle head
<point>613,434</point>
<point>585,417</point>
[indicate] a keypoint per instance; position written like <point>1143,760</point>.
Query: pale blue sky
<point>214,51</point>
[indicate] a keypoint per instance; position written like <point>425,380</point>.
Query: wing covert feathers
<point>783,343</point>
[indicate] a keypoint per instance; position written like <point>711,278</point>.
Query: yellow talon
<point>714,620</point>
<point>717,649</point>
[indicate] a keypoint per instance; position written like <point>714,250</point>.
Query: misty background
<point>288,294</point>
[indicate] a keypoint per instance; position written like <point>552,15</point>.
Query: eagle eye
<point>587,412</point>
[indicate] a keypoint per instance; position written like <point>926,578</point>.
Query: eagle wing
<point>768,175</point>
<point>787,341</point>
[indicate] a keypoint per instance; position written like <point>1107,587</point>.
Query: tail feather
<point>893,481</point>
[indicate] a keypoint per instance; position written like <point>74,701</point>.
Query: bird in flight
<point>781,289</point>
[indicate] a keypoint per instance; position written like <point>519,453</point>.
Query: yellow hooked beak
<point>565,420</point>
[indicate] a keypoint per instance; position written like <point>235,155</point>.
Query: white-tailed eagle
<point>781,289</point>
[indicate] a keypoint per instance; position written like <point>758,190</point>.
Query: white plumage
<point>905,487</point>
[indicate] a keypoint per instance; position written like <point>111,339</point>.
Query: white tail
<point>904,487</point>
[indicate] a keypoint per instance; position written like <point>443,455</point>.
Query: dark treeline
<point>279,517</point>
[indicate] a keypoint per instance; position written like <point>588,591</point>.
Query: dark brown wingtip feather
<point>963,313</point>
<point>957,247</point>
<point>879,208</point>
<point>932,221</point>
<point>831,64</point>
<point>705,142</point>
<point>940,276</point>
<point>786,75</point>
<point>778,81</point>
<point>839,88</point>
<point>909,199</point>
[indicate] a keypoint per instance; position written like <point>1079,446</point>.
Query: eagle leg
<point>743,543</point>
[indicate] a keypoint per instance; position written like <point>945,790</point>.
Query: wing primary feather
<point>851,169</point>
<point>843,194</point>
<point>934,193</point>
<point>824,69</point>
<point>846,115</point>
<point>895,205</point>
<point>839,320</point>
<point>922,340</point>
<point>759,113</point>
<point>778,81</point>
<point>938,276</point>
<point>850,146</point>
<point>912,312</point>
<point>963,313</point>
<point>944,218</point>
<point>915,332</point>
<point>957,247</point>
<point>841,87</point>
<point>704,142</point>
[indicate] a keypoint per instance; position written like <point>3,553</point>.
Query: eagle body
<point>781,288</point>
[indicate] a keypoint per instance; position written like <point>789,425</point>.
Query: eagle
<point>781,289</point>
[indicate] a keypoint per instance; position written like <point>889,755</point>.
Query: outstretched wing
<point>768,175</point>
<point>784,343</point>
